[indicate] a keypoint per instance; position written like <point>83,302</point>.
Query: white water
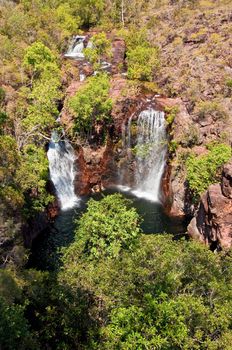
<point>61,166</point>
<point>76,47</point>
<point>150,153</point>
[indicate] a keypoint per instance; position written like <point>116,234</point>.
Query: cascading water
<point>76,47</point>
<point>61,166</point>
<point>150,153</point>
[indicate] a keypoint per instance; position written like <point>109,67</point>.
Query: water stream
<point>149,147</point>
<point>76,47</point>
<point>61,167</point>
<point>149,154</point>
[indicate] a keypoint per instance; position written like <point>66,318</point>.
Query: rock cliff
<point>212,223</point>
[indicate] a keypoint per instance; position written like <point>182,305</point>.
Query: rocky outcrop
<point>95,168</point>
<point>175,191</point>
<point>212,223</point>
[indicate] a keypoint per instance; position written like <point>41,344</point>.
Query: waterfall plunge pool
<point>45,249</point>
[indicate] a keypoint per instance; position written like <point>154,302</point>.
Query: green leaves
<point>37,55</point>
<point>45,92</point>
<point>203,170</point>
<point>91,104</point>
<point>101,46</point>
<point>35,165</point>
<point>108,227</point>
<point>161,294</point>
<point>142,63</point>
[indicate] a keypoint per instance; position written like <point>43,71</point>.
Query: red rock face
<point>212,223</point>
<point>95,168</point>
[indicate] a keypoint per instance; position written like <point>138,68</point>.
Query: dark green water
<point>46,248</point>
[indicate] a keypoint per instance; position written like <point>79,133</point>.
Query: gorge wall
<point>212,223</point>
<point>98,165</point>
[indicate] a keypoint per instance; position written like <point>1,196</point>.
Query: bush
<point>37,55</point>
<point>101,46</point>
<point>164,295</point>
<point>210,108</point>
<point>142,63</point>
<point>171,113</point>
<point>204,170</point>
<point>108,226</point>
<point>2,95</point>
<point>91,103</point>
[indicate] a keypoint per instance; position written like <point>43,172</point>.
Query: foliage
<point>9,161</point>
<point>204,170</point>
<point>229,83</point>
<point>171,113</point>
<point>165,294</point>
<point>210,108</point>
<point>91,104</point>
<point>14,328</point>
<point>67,22</point>
<point>35,165</point>
<point>37,55</point>
<point>90,11</point>
<point>191,136</point>
<point>2,95</point>
<point>142,63</point>
<point>45,91</point>
<point>101,46</point>
<point>107,227</point>
<point>135,37</point>
<point>172,146</point>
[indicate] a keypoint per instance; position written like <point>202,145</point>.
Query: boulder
<point>212,223</point>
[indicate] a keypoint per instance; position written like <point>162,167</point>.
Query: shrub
<point>210,108</point>
<point>91,103</point>
<point>107,227</point>
<point>37,55</point>
<point>171,113</point>
<point>2,95</point>
<point>204,170</point>
<point>101,46</point>
<point>142,63</point>
<point>229,83</point>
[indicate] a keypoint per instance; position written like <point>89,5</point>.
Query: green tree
<point>35,165</point>
<point>107,227</point>
<point>163,294</point>
<point>90,11</point>
<point>91,104</point>
<point>142,63</point>
<point>68,23</point>
<point>45,91</point>
<point>14,328</point>
<point>101,46</point>
<point>37,55</point>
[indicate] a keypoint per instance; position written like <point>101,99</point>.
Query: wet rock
<point>173,183</point>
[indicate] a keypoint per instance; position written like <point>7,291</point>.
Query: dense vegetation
<point>115,287</point>
<point>140,292</point>
<point>92,104</point>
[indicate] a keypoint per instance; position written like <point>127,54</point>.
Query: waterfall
<point>61,167</point>
<point>149,151</point>
<point>76,47</point>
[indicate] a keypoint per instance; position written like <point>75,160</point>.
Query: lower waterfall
<point>61,167</point>
<point>149,152</point>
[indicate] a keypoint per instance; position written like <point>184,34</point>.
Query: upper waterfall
<point>76,47</point>
<point>61,166</point>
<point>148,151</point>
